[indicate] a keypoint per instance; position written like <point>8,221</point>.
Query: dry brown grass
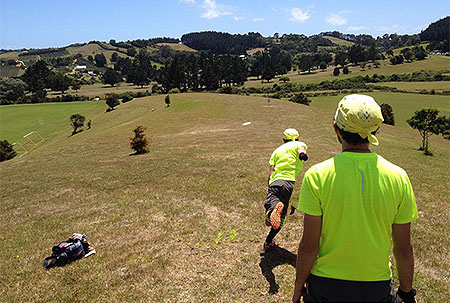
<point>156,219</point>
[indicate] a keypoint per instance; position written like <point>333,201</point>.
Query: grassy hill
<point>183,223</point>
<point>338,41</point>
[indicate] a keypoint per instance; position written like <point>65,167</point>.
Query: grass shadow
<point>272,258</point>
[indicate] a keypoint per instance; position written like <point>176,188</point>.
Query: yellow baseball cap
<point>290,134</point>
<point>359,114</point>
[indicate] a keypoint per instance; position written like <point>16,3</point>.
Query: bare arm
<point>307,252</point>
<point>302,153</point>
<point>270,173</point>
<point>403,254</point>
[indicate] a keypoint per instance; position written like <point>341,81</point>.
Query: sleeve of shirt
<point>407,209</point>
<point>272,159</point>
<point>309,201</point>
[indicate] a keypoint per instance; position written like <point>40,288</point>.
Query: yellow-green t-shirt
<point>286,163</point>
<point>359,196</point>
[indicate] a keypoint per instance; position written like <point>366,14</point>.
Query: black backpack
<point>66,252</point>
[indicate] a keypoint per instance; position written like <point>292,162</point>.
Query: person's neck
<point>359,148</point>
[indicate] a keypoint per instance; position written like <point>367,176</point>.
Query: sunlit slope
<point>184,223</point>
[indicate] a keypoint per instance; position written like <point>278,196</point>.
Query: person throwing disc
<point>285,163</point>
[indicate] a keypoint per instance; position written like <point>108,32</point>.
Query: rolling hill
<point>183,223</point>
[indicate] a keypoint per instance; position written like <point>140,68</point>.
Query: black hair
<point>287,140</point>
<point>354,138</point>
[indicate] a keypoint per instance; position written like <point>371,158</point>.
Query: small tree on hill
<point>167,101</point>
<point>285,79</point>
<point>345,70</point>
<point>77,121</point>
<point>60,82</point>
<point>323,65</point>
<point>427,122</point>
<point>6,151</point>
<point>336,71</point>
<point>76,85</point>
<point>100,60</point>
<point>111,77</point>
<point>300,98</point>
<point>112,101</point>
<point>139,141</point>
<point>388,114</point>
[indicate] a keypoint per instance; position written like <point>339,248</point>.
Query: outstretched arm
<point>307,253</point>
<point>403,254</point>
<point>302,155</point>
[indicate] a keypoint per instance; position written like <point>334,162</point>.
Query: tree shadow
<point>74,133</point>
<point>272,258</point>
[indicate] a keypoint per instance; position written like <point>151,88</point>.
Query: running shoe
<point>270,245</point>
<point>275,217</point>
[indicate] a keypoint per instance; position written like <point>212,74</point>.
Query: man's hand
<point>303,156</point>
<point>406,297</point>
<point>298,293</point>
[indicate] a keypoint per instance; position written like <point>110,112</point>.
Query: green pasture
<point>184,222</point>
<point>50,120</point>
<point>404,105</point>
<point>100,89</point>
<point>339,41</point>
<point>434,62</point>
<point>418,86</point>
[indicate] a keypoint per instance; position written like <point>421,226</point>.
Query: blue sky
<point>45,23</point>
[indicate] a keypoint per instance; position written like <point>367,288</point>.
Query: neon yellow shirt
<point>359,196</point>
<point>286,163</point>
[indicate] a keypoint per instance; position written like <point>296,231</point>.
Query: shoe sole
<point>275,217</point>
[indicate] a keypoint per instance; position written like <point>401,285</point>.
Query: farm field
<point>100,89</point>
<point>184,223</point>
<point>404,105</point>
<point>433,63</point>
<point>418,86</point>
<point>339,41</point>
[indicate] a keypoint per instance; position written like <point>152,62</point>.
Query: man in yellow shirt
<point>353,204</point>
<point>285,163</point>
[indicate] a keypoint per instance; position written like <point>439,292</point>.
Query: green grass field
<point>183,223</point>
<point>50,120</point>
<point>418,86</point>
<point>339,41</point>
<point>403,105</point>
<point>432,63</point>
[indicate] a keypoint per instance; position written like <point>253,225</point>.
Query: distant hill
<point>437,31</point>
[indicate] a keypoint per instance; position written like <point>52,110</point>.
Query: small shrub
<point>300,98</point>
<point>112,101</point>
<point>345,70</point>
<point>336,71</point>
<point>139,141</point>
<point>127,97</point>
<point>6,151</point>
<point>174,91</point>
<point>167,101</point>
<point>388,114</point>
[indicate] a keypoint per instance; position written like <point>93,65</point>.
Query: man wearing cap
<point>285,163</point>
<point>353,204</point>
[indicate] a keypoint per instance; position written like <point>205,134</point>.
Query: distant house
<point>91,73</point>
<point>80,67</point>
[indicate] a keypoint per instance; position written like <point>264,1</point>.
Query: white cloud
<point>298,15</point>
<point>336,20</point>
<point>213,10</point>
<point>258,19</point>
<point>238,18</point>
<point>356,28</point>
<point>188,1</point>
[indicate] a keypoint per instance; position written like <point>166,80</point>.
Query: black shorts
<point>279,191</point>
<point>320,289</point>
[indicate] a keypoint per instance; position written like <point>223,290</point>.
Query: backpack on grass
<point>69,250</point>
